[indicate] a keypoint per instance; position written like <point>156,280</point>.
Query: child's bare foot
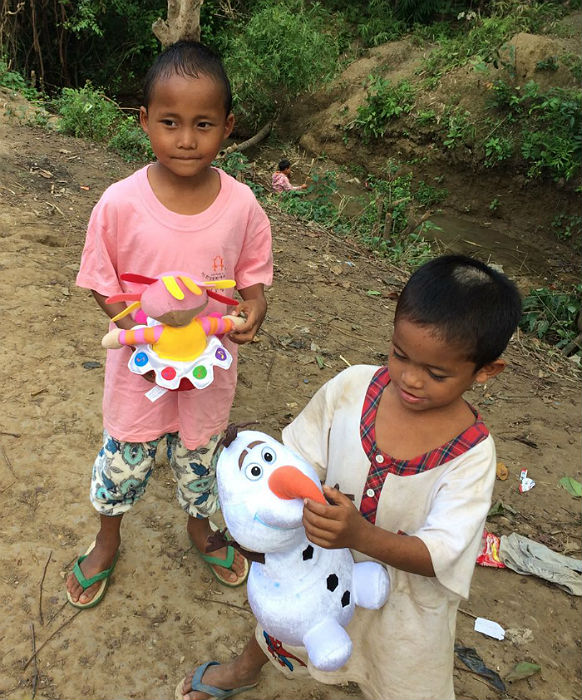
<point>100,558</point>
<point>199,531</point>
<point>236,674</point>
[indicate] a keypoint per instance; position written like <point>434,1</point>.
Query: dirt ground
<point>164,613</point>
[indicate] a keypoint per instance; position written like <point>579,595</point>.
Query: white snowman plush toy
<point>302,594</point>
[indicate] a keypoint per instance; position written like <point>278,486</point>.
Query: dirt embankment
<point>320,124</point>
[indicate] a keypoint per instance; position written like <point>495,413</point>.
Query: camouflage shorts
<point>122,470</point>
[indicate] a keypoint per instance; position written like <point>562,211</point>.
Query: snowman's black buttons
<point>346,599</point>
<point>307,553</point>
<point>332,582</point>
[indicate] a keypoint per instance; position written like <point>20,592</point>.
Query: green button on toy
<point>199,372</point>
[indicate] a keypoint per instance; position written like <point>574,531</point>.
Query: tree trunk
<point>183,22</point>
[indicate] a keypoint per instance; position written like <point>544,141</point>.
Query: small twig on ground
<point>354,335</point>
<point>270,369</point>
<point>63,606</point>
<point>222,602</point>
<point>37,392</point>
<point>341,357</point>
<point>47,640</point>
<point>8,463</point>
<point>41,584</point>
<point>54,206</point>
<point>7,487</point>
<point>5,432</point>
<point>35,677</point>
<point>468,614</point>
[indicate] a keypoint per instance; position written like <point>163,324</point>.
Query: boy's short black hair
<point>283,164</point>
<point>469,304</point>
<point>191,59</point>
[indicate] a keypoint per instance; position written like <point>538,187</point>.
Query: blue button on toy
<point>141,359</point>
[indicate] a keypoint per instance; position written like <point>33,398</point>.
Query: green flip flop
<point>84,582</point>
<point>225,562</point>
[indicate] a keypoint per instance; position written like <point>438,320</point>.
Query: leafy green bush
<point>383,103</point>
<point>478,38</point>
<point>89,114</point>
<point>549,126</point>
<point>238,165</point>
<point>497,150</point>
<point>12,80</point>
<point>392,235</point>
<point>384,224</point>
<point>283,50</point>
<point>460,129</point>
<point>550,64</point>
<point>130,141</point>
<point>373,22</point>
<point>427,195</point>
<point>86,112</point>
<point>574,64</point>
<point>568,227</point>
<point>316,203</point>
<point>551,314</point>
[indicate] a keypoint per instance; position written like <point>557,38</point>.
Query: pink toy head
<point>172,296</point>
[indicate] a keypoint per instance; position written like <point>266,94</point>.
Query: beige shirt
<point>405,650</point>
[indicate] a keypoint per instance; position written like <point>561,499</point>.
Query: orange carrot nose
<point>288,483</point>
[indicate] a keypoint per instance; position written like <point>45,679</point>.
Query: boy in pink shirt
<point>179,213</point>
<point>280,180</point>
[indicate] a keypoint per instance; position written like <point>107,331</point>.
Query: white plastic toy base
<point>169,373</point>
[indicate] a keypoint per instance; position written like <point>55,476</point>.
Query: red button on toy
<point>168,373</point>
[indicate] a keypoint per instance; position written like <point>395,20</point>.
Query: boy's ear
<point>143,118</point>
<point>490,370</point>
<point>228,125</point>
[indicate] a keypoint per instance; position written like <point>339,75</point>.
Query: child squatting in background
<point>419,465</point>
<point>280,180</point>
<point>178,213</point>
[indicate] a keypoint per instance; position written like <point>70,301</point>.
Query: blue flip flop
<point>211,690</point>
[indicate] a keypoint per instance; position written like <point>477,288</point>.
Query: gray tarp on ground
<point>532,558</point>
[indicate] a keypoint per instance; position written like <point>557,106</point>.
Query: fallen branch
<point>47,640</point>
<point>221,602</point>
<point>35,677</point>
<point>7,487</point>
<point>8,462</point>
<point>257,138</point>
<point>41,584</point>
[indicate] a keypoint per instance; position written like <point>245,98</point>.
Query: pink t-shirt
<point>131,231</point>
<point>280,183</point>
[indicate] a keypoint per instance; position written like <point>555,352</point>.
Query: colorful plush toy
<point>302,594</point>
<point>175,342</point>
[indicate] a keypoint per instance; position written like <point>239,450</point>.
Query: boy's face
<point>186,124</point>
<point>427,372</point>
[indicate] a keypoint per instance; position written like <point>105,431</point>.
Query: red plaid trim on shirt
<point>382,464</point>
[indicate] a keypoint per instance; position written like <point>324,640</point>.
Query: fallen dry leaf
<point>502,471</point>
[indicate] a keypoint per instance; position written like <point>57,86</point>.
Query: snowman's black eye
<point>268,455</point>
<point>253,472</point>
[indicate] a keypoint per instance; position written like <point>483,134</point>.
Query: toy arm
<point>218,325</point>
<point>117,338</point>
